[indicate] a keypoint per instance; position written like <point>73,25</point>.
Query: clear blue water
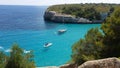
<point>25,26</point>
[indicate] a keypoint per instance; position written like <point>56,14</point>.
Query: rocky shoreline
<point>101,63</point>
<point>64,18</point>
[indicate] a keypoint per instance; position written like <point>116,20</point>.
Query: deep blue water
<point>25,25</point>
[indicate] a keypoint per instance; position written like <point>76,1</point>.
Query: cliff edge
<point>64,18</point>
<point>79,13</point>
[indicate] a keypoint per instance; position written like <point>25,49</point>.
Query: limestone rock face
<point>102,63</point>
<point>49,15</point>
<point>63,18</point>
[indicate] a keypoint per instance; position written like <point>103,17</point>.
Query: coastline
<point>52,16</point>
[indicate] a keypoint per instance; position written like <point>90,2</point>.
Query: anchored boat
<point>47,44</point>
<point>61,31</point>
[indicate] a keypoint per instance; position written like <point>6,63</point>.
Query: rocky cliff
<point>102,63</point>
<point>64,18</point>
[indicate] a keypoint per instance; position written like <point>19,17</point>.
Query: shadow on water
<point>50,25</point>
<point>45,49</point>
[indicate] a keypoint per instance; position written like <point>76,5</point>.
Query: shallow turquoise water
<point>29,30</point>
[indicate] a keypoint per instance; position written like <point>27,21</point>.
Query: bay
<point>25,26</point>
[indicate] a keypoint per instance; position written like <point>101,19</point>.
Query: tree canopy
<point>90,11</point>
<point>111,29</point>
<point>88,48</point>
<point>99,44</point>
<point>16,59</point>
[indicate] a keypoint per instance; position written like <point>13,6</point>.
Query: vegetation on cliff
<point>16,59</point>
<point>88,48</point>
<point>99,44</point>
<point>89,11</point>
<point>111,30</point>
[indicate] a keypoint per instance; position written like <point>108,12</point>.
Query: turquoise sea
<point>25,25</point>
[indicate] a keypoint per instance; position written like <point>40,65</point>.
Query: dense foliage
<point>17,59</point>
<point>89,11</point>
<point>99,44</point>
<point>111,29</point>
<point>88,48</point>
<point>3,59</point>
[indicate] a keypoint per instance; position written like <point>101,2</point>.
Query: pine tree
<point>19,59</point>
<point>111,29</point>
<point>88,48</point>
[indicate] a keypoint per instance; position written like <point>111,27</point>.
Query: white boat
<point>62,31</point>
<point>47,44</point>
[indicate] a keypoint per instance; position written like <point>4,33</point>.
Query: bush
<point>17,59</point>
<point>88,48</point>
<point>98,44</point>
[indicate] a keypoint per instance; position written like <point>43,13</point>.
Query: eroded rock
<point>64,18</point>
<point>102,63</point>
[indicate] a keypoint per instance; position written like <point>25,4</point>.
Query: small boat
<point>61,31</point>
<point>47,44</point>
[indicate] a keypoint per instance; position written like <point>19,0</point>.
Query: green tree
<point>111,29</point>
<point>19,59</point>
<point>3,59</point>
<point>98,44</point>
<point>89,11</point>
<point>88,48</point>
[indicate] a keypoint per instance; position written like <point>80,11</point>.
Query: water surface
<point>25,26</point>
